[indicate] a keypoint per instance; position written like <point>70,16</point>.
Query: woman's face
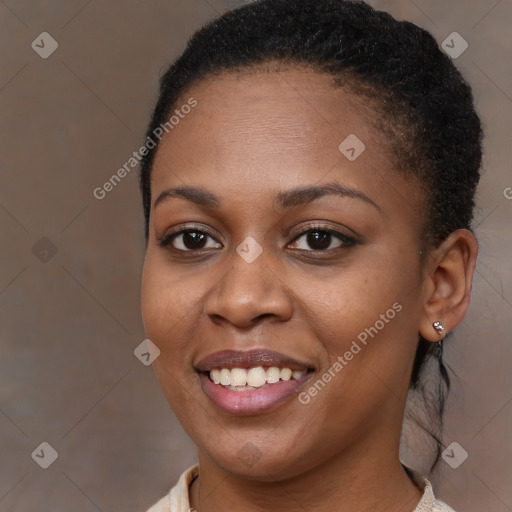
<point>272,246</point>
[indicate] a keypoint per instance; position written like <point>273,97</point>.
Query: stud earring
<point>438,326</point>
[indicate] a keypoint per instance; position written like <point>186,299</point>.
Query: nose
<point>248,293</point>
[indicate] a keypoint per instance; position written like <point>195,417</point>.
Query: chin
<point>263,464</point>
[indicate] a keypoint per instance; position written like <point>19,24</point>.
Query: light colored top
<point>178,498</point>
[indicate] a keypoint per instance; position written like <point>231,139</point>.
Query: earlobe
<point>447,286</point>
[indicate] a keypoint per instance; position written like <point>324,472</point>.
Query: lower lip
<point>251,402</point>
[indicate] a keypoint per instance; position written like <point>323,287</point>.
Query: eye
<point>190,240</point>
<point>321,239</point>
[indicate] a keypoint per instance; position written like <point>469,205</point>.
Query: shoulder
<point>441,506</point>
<point>428,502</point>
<point>177,500</point>
<point>162,505</point>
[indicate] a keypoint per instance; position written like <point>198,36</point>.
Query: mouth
<point>252,382</point>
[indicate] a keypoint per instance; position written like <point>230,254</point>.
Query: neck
<point>368,480</point>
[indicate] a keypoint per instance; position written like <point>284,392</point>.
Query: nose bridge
<point>250,289</point>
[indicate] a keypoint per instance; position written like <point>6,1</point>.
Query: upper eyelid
<point>327,228</point>
<point>345,239</point>
<point>167,236</point>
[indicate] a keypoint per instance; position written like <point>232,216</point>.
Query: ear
<point>447,283</point>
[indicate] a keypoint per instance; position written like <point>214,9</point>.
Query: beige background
<point>69,325</point>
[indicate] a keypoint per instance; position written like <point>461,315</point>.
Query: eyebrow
<point>305,195</point>
<point>196,195</point>
<point>286,200</point>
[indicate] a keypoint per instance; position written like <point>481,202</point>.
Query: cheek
<point>169,307</point>
<point>368,344</point>
<point>345,304</point>
<point>166,302</point>
<point>366,316</point>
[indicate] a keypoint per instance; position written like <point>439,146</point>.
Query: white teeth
<point>256,377</point>
<point>247,380</point>
<point>273,374</point>
<point>215,376</point>
<point>285,374</point>
<point>225,377</point>
<point>238,377</point>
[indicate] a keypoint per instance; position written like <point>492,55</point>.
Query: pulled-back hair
<point>422,104</point>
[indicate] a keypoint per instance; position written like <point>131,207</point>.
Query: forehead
<point>268,130</point>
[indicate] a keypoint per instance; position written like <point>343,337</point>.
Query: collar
<point>179,499</point>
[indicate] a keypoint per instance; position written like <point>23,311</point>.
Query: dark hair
<point>421,100</point>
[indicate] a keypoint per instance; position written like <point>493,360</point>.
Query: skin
<point>252,136</point>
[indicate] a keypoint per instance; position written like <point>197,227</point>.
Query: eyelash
<point>346,241</point>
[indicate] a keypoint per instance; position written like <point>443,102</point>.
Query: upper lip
<point>249,359</point>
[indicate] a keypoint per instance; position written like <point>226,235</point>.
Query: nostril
<point>262,316</point>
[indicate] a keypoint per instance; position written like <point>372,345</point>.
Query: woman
<point>308,204</point>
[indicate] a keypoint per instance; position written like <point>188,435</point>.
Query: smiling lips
<point>250,382</point>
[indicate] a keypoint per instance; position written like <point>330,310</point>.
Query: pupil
<point>193,240</point>
<point>319,239</point>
